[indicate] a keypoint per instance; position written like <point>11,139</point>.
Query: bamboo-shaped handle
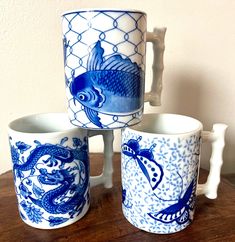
<point>106,177</point>
<point>216,137</point>
<point>157,37</point>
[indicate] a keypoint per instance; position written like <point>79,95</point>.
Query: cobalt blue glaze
<point>104,56</point>
<point>51,180</point>
<point>159,178</point>
<point>180,211</point>
<point>113,85</point>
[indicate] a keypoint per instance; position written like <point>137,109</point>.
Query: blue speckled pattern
<point>159,177</point>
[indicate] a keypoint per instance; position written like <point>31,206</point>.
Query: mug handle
<point>106,177</point>
<point>157,37</point>
<point>216,137</point>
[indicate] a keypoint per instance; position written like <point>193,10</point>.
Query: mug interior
<point>167,124</point>
<point>117,10</point>
<point>42,123</point>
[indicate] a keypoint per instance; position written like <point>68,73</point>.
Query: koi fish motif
<point>180,211</point>
<point>110,85</point>
<point>144,157</point>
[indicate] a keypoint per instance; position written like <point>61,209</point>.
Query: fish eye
<point>82,97</point>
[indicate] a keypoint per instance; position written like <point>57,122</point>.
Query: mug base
<point>69,222</point>
<point>103,121</point>
<point>156,227</point>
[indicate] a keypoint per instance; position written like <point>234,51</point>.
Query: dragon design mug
<point>51,169</point>
<point>160,163</point>
<point>104,57</point>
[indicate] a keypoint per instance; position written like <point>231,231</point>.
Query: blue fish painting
<point>112,85</point>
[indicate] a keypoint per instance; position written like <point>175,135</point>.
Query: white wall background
<point>199,76</point>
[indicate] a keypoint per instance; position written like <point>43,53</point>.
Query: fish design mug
<point>104,58</point>
<point>51,169</point>
<point>160,164</point>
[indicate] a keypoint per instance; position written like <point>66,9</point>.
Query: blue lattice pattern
<point>111,121</point>
<point>119,32</point>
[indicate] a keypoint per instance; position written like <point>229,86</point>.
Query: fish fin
<point>92,115</point>
<point>95,57</point>
<point>116,62</point>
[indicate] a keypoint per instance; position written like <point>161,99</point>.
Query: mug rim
<point>138,128</point>
<point>84,10</point>
<point>14,125</point>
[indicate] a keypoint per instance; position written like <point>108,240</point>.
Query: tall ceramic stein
<point>104,56</point>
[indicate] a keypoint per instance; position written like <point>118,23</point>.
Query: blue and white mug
<point>104,58</point>
<point>51,169</point>
<point>160,164</point>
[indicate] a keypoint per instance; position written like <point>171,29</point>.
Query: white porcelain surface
<point>52,171</point>
<point>160,162</point>
<point>104,57</point>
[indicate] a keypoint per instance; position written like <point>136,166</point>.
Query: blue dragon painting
<point>66,195</point>
<point>110,85</point>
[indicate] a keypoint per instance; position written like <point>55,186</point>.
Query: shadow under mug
<point>51,169</point>
<point>104,63</point>
<point>160,164</point>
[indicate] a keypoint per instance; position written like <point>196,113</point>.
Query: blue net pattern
<point>120,32</point>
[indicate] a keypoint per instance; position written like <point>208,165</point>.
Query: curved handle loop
<point>106,177</point>
<point>157,37</point>
<point>216,137</point>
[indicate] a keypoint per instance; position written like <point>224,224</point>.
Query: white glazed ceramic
<point>104,57</point>
<point>160,163</point>
<point>51,169</point>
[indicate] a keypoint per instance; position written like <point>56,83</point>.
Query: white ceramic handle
<point>106,177</point>
<point>157,37</point>
<point>216,137</point>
